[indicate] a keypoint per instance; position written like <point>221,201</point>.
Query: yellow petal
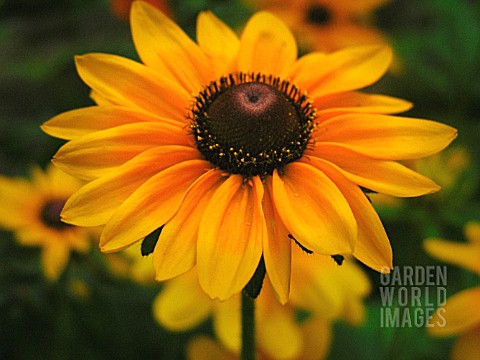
<point>315,285</point>
<point>98,153</point>
<point>372,246</point>
<point>467,346</point>
<point>276,251</point>
<point>60,183</point>
<point>164,47</point>
<point>313,210</point>
<point>230,237</point>
<point>204,348</point>
<point>151,205</point>
<point>472,232</point>
<point>96,202</point>
<point>76,239</point>
<point>128,83</point>
<point>278,334</point>
<point>30,236</point>
<point>460,313</point>
<point>227,323</point>
<point>382,176</point>
<point>14,194</point>
<point>344,70</point>
<point>176,250</point>
<point>54,260</point>
<point>317,336</point>
<point>462,254</point>
<point>182,305</point>
<point>102,100</point>
<point>359,102</point>
<point>218,41</point>
<point>386,137</point>
<point>80,122</point>
<point>343,33</point>
<point>266,46</point>
<point>354,311</point>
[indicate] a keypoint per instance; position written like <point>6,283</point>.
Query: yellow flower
<point>461,314</point>
<point>32,210</point>
<point>323,290</point>
<point>328,25</point>
<point>234,149</point>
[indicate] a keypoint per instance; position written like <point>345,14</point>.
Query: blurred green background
<point>438,42</point>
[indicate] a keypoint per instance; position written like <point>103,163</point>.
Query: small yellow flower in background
<point>328,25</point>
<point>233,150</point>
<point>323,290</point>
<point>31,208</point>
<point>461,313</point>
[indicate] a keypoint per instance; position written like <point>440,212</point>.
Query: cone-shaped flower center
<point>318,15</point>
<point>253,116</point>
<point>251,124</point>
<point>50,214</point>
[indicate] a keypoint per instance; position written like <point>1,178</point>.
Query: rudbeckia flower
<point>231,151</point>
<point>31,208</point>
<point>328,25</point>
<point>461,314</point>
<point>323,291</point>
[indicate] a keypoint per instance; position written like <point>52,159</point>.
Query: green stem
<point>248,327</point>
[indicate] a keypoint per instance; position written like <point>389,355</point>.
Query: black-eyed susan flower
<point>323,291</point>
<point>328,25</point>
<point>31,208</point>
<point>460,315</point>
<point>232,150</point>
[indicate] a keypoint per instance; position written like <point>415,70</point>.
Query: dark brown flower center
<point>318,15</point>
<point>50,214</point>
<point>251,124</point>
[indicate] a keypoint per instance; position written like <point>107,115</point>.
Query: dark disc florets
<point>251,124</point>
<point>50,214</point>
<point>318,15</point>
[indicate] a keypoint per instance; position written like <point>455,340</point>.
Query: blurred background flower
<point>322,292</point>
<point>328,25</point>
<point>32,210</point>
<point>95,310</point>
<point>460,315</point>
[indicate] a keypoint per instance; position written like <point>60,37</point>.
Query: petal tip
<point>386,269</point>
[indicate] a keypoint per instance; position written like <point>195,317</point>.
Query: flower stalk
<point>248,327</point>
